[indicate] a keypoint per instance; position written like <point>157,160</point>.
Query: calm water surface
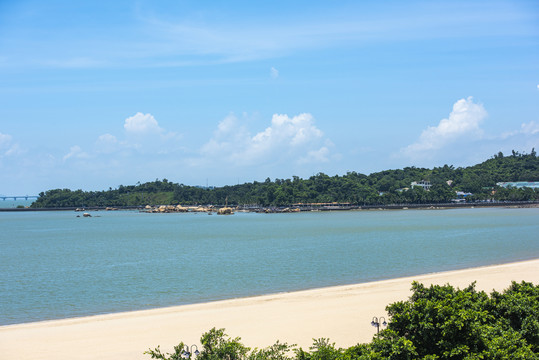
<point>55,265</point>
<point>11,204</point>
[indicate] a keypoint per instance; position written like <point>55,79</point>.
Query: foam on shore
<point>342,313</point>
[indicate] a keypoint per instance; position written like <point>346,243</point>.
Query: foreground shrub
<point>436,322</point>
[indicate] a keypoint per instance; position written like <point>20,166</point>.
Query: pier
<point>18,197</point>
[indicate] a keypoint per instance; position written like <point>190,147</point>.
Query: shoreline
<point>342,313</point>
<point>307,207</point>
<point>263,294</point>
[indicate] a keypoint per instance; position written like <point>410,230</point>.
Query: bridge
<point>15,197</point>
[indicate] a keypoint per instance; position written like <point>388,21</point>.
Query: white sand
<point>342,313</point>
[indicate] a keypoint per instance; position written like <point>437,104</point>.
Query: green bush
<point>435,323</point>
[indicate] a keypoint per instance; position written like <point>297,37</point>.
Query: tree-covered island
<point>473,183</point>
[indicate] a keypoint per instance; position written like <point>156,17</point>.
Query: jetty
<point>18,197</point>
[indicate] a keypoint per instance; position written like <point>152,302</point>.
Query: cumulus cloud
<point>142,124</point>
<point>229,138</point>
<point>143,134</point>
<point>463,123</point>
<point>295,138</point>
<point>288,131</point>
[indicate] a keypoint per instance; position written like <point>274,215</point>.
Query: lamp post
<point>377,322</point>
<point>188,352</point>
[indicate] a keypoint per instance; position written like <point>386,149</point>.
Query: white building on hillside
<point>423,183</point>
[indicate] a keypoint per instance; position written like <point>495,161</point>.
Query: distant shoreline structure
<point>309,207</point>
<point>18,197</point>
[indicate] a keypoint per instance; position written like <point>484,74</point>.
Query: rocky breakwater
<point>165,209</point>
<point>161,209</point>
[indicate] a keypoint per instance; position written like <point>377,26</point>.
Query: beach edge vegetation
<point>478,182</point>
<point>436,322</point>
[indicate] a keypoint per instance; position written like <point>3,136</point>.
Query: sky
<point>98,94</point>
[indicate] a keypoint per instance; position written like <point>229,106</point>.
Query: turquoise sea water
<point>55,265</point>
<point>11,204</point>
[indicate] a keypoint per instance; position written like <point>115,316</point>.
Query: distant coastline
<point>499,179</point>
<point>309,207</point>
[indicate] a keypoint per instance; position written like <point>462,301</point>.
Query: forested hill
<point>385,187</point>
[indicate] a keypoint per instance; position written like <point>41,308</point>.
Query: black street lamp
<point>186,354</point>
<point>377,322</point>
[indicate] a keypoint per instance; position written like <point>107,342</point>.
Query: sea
<point>59,264</point>
<point>11,203</point>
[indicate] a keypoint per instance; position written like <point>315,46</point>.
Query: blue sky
<point>98,94</point>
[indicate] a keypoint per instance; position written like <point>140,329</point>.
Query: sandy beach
<point>342,313</point>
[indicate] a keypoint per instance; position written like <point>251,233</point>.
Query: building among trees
<point>426,185</point>
<point>519,184</point>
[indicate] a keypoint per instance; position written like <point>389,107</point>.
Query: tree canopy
<point>380,188</point>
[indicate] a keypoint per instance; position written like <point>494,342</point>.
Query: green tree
<point>321,349</point>
<point>217,345</point>
<point>176,355</point>
<point>444,323</point>
<point>277,351</point>
<point>353,187</point>
<point>435,323</point>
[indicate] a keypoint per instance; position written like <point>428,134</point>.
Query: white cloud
<point>146,136</point>
<point>523,139</point>
<point>5,140</point>
<point>316,156</point>
<point>75,152</point>
<point>293,131</point>
<point>14,150</point>
<point>107,138</point>
<point>7,147</point>
<point>290,139</point>
<point>228,126</point>
<point>274,73</point>
<point>142,124</point>
<point>530,128</point>
<point>106,143</point>
<point>463,123</point>
<point>526,129</point>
